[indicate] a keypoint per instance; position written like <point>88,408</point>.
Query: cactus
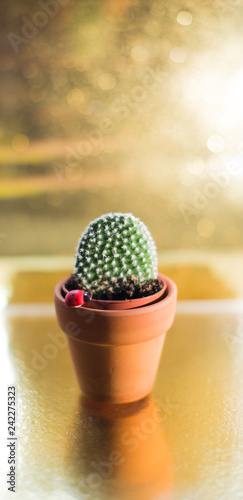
<point>115,249</point>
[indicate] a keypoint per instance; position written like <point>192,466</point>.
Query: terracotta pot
<point>116,353</point>
<point>122,304</point>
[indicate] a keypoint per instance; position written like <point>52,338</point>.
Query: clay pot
<point>122,304</point>
<point>116,353</point>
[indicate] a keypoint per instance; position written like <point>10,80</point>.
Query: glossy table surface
<point>185,441</point>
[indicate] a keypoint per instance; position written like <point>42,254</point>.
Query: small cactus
<point>115,248</point>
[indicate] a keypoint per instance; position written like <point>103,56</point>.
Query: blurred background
<point>130,106</point>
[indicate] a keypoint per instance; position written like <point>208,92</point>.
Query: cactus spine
<point>115,247</point>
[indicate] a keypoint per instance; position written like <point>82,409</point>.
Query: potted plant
<point>116,309</point>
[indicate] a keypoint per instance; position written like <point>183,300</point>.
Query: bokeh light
<point>178,54</point>
<point>205,228</point>
<point>184,18</point>
<point>75,97</point>
<point>128,107</point>
<point>216,143</point>
<point>20,143</point>
<point>139,53</point>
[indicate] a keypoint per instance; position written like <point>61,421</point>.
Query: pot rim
<point>116,305</point>
<point>164,302</point>
<point>117,327</point>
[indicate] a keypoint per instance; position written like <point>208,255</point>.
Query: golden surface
<point>183,442</point>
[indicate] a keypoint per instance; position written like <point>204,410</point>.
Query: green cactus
<point>115,248</point>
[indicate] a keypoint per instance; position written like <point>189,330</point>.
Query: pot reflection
<point>121,450</point>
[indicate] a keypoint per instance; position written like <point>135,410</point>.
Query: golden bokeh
<point>153,90</point>
<point>126,106</point>
<point>20,143</point>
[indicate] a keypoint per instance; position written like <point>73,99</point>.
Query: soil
<point>119,289</point>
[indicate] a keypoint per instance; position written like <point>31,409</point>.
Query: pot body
<point>117,374</point>
<point>116,353</point>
